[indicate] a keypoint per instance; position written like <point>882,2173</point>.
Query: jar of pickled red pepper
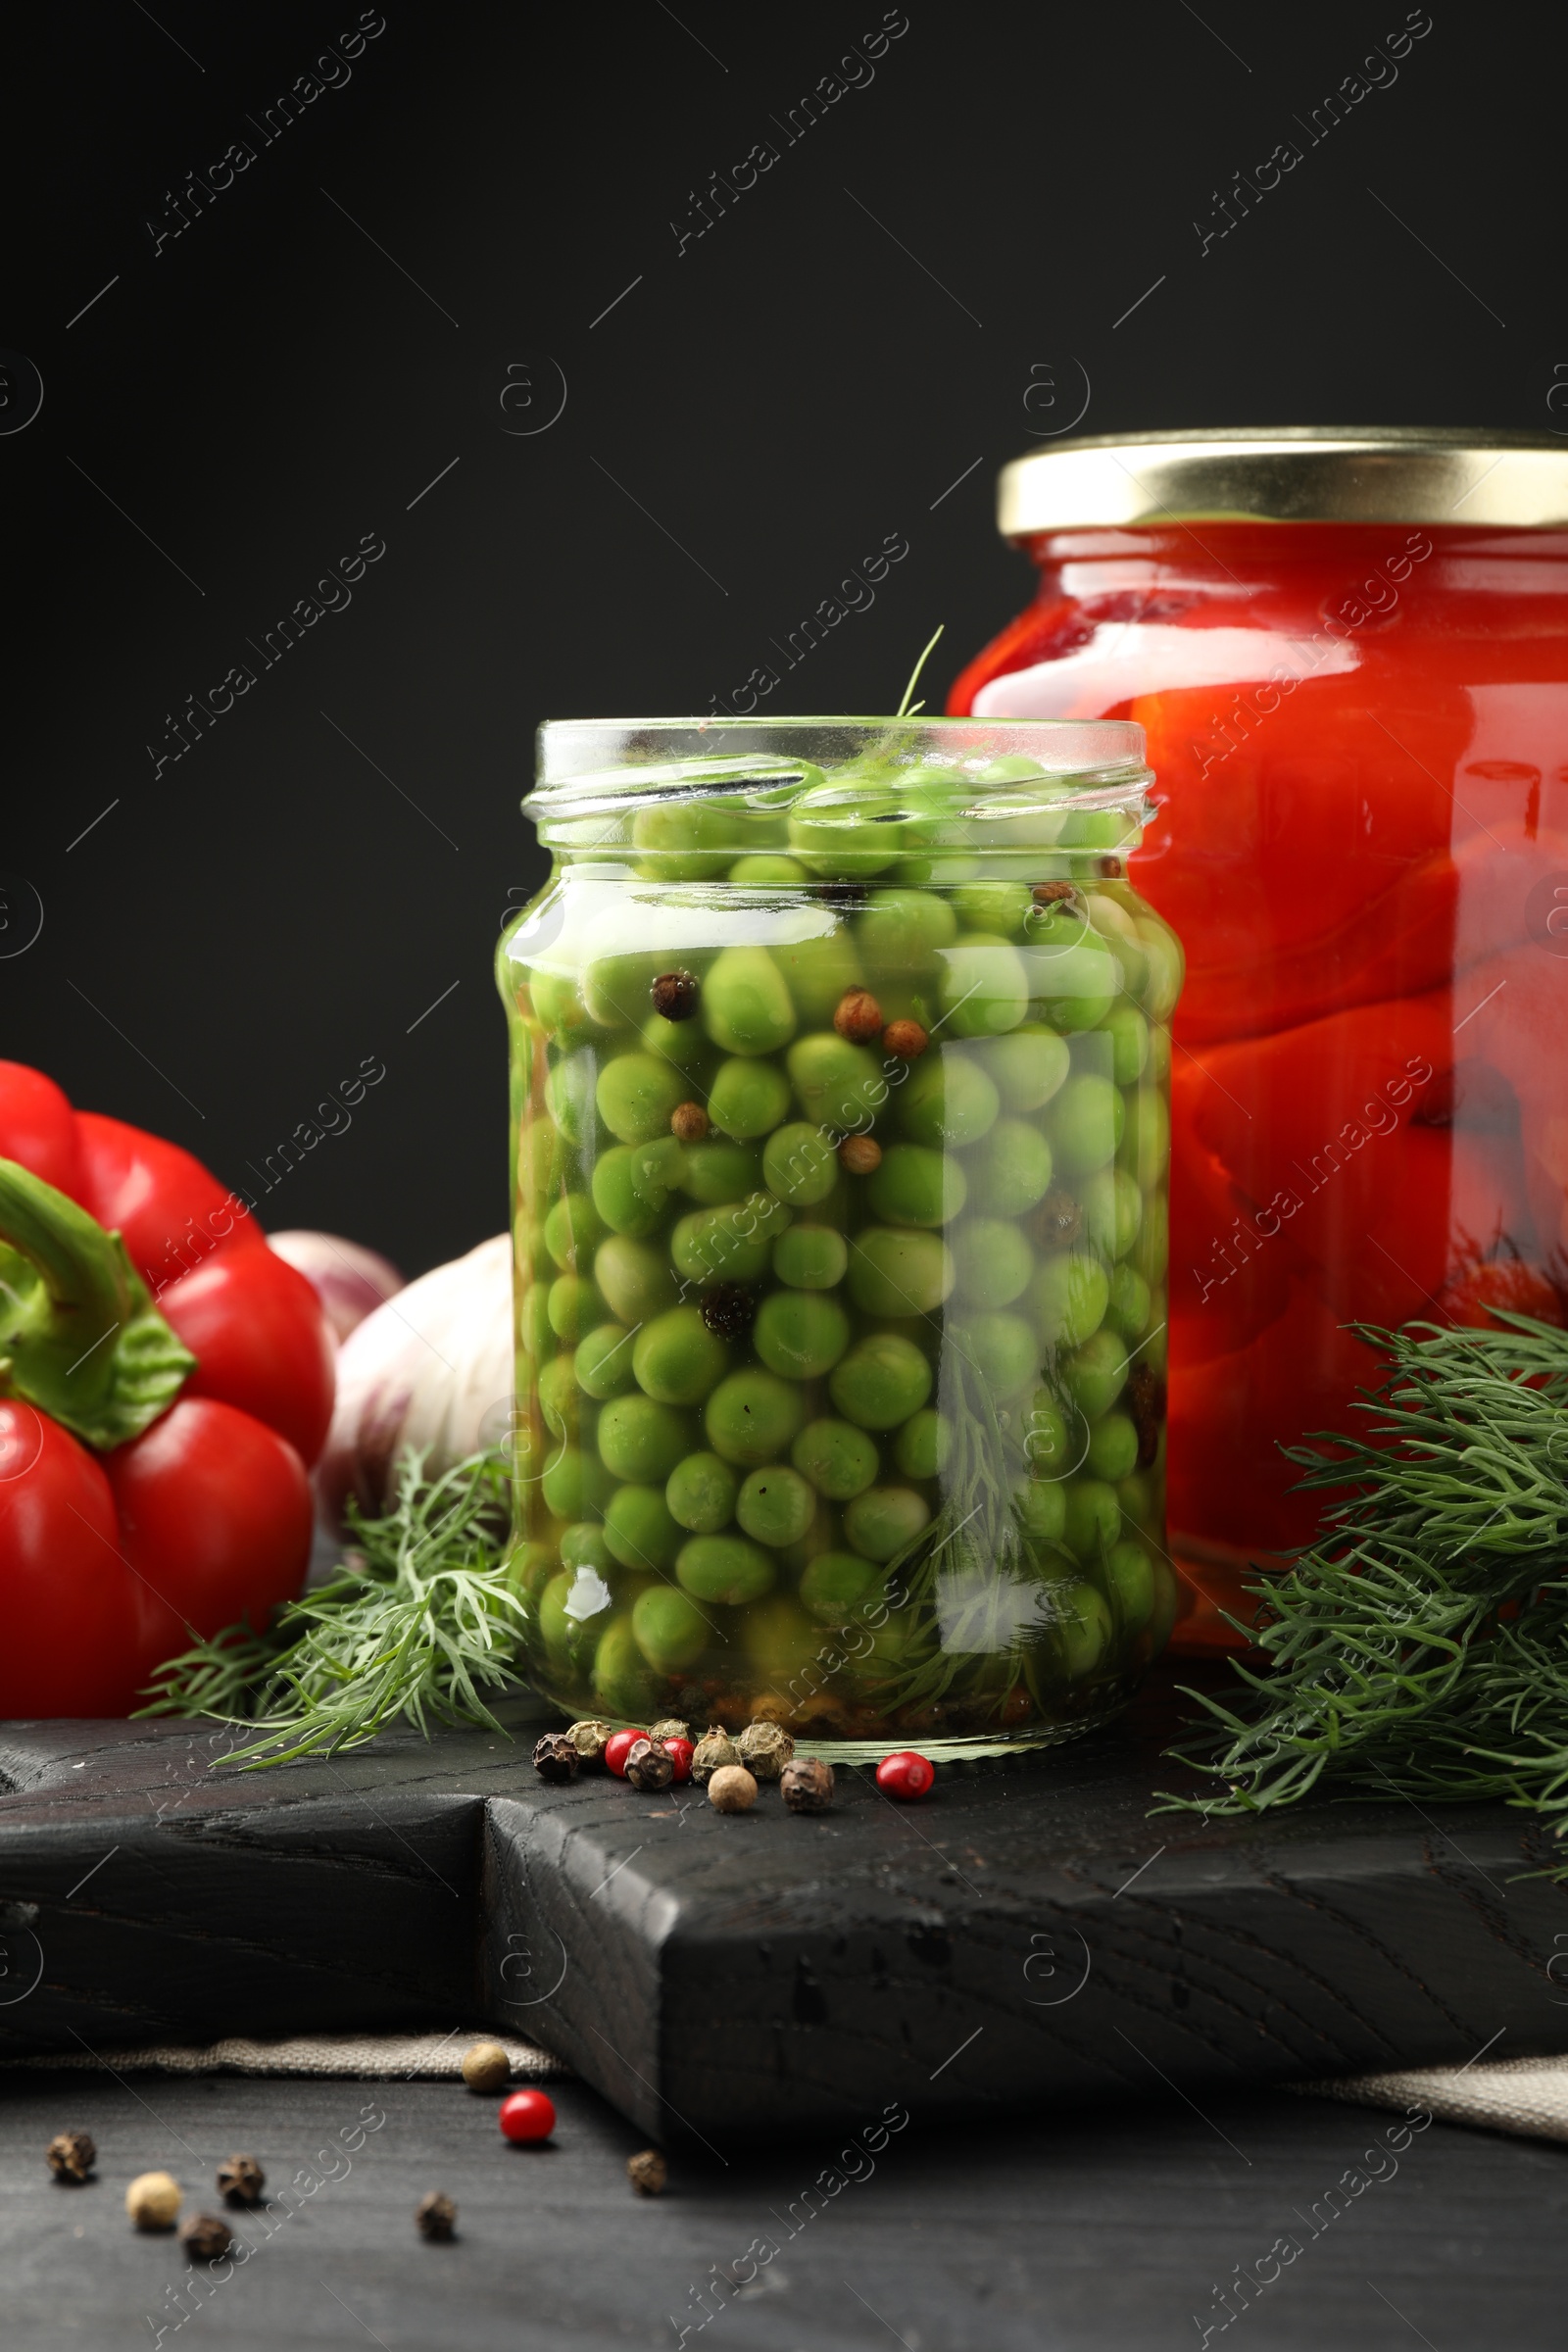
<point>841,1061</point>
<point>1350,650</point>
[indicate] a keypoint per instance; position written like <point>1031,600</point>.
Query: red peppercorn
<point>527,2114</point>
<point>617,1747</point>
<point>905,1774</point>
<point>680,1752</point>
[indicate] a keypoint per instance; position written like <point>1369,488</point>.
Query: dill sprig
<point>1420,1646</point>
<point>419,1621</point>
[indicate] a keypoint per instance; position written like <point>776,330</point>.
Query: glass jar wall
<point>840,1061</point>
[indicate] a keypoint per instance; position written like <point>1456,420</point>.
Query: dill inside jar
<point>840,1055</point>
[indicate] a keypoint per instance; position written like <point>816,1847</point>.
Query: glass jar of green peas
<point>841,1057</point>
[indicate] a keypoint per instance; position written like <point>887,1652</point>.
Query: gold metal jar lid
<point>1289,474</point>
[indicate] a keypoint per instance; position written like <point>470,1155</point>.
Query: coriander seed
<point>648,2173</point>
<point>858,1017</point>
<point>588,1736</point>
<point>732,1789</point>
<point>486,2068</point>
<point>650,1766</point>
<point>806,1784</point>
<point>689,1123</point>
<point>712,1752</point>
<point>435,2217</point>
<point>860,1154</point>
<point>240,2181</point>
<point>70,2156</point>
<point>556,1758</point>
<point>206,2237</point>
<point>676,996</point>
<point>764,1749</point>
<point>153,2200</point>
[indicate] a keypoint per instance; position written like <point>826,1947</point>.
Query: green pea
<point>565,1638</point>
<point>701,1493</point>
<point>635,1096</point>
<point>677,1359</point>
<point>984,987</point>
<point>834,831</point>
<point>729,1245</point>
<point>534,1335</point>
<point>998,909</point>
<point>532,1252</point>
<point>667,1629</point>
<point>1159,1073</point>
<point>718,1171</point>
<point>632,1183</point>
<point>1154,1349</point>
<point>837,1084</point>
<point>638,1531</point>
<point>896,1272</point>
<point>837,1585</point>
<point>840,1460</point>
<point>1087,1119</point>
<point>1095,1374</point>
<point>684,840</point>
<point>817,972</point>
<point>917,1186</point>
<point>1150,1253</point>
<point>559,1399</point>
<point>1113,1448</point>
<point>1113,1210</point>
<point>583,1546</point>
<point>1067,1298</point>
<point>575,1306</point>
<point>1131,1303</point>
<point>529,1568</point>
<point>542,1159</point>
<point>1139,1496</point>
<point>684,1045</point>
<point>575,1483</point>
<point>557,1004</point>
<point>902,931</point>
<point>1043,1510</point>
<point>810,1257</point>
<point>1072,973</point>
<point>995,1262</point>
<point>746,1005</point>
<point>1013,1173</point>
<point>799,1164</point>
<point>800,1334</point>
<point>923,1447</point>
<point>641,1441</point>
<point>622,1681</point>
<point>1051,1446</point>
<point>1004,1348</point>
<point>570,1095</point>
<point>1082,1626</point>
<point>1128,1032</point>
<point>634,1278</point>
<point>572,1231</point>
<point>775,1507</point>
<point>1093,1517</point>
<point>1130,1574</point>
<point>881,1382</point>
<point>1166,966</point>
<point>724,1568</point>
<point>768,870</point>
<point>781,1642</point>
<point>752,1417</point>
<point>950,1099</point>
<point>880,1522</point>
<point>747,1098</point>
<point>1145,1147</point>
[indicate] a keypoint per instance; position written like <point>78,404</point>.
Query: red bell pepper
<point>165,1381</point>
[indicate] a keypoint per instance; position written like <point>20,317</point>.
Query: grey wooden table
<point>1098,2230</point>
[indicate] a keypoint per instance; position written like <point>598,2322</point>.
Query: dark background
<point>224,423</point>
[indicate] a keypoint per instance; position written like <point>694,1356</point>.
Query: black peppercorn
<point>1060,1219</point>
<point>240,2181</point>
<point>555,1757</point>
<point>727,1310</point>
<point>806,1784</point>
<point>1146,1402</point>
<point>676,996</point>
<point>647,2172</point>
<point>70,2156</point>
<point>206,2237</point>
<point>650,1766</point>
<point>436,2216</point>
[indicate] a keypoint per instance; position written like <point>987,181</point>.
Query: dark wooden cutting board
<point>1027,1934</point>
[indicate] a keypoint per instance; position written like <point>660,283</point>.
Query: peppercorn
<point>858,1017</point>
<point>806,1784</point>
<point>676,996</point>
<point>650,1766</point>
<point>860,1155</point>
<point>727,1310</point>
<point>1060,1219</point>
<point>153,2200</point>
<point>555,1757</point>
<point>712,1752</point>
<point>241,2180</point>
<point>70,2156</point>
<point>907,1040</point>
<point>647,2172</point>
<point>1111,869</point>
<point>732,1789</point>
<point>669,1727</point>
<point>588,1737</point>
<point>436,2216</point>
<point>1054,894</point>
<point>905,1774</point>
<point>688,1122</point>
<point>1146,1402</point>
<point>764,1749</point>
<point>206,2237</point>
<point>486,2068</point>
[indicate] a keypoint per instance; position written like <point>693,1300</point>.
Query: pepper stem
<point>79,1336</point>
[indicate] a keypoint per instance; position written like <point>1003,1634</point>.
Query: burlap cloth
<point>1528,2095</point>
<point>373,2057</point>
